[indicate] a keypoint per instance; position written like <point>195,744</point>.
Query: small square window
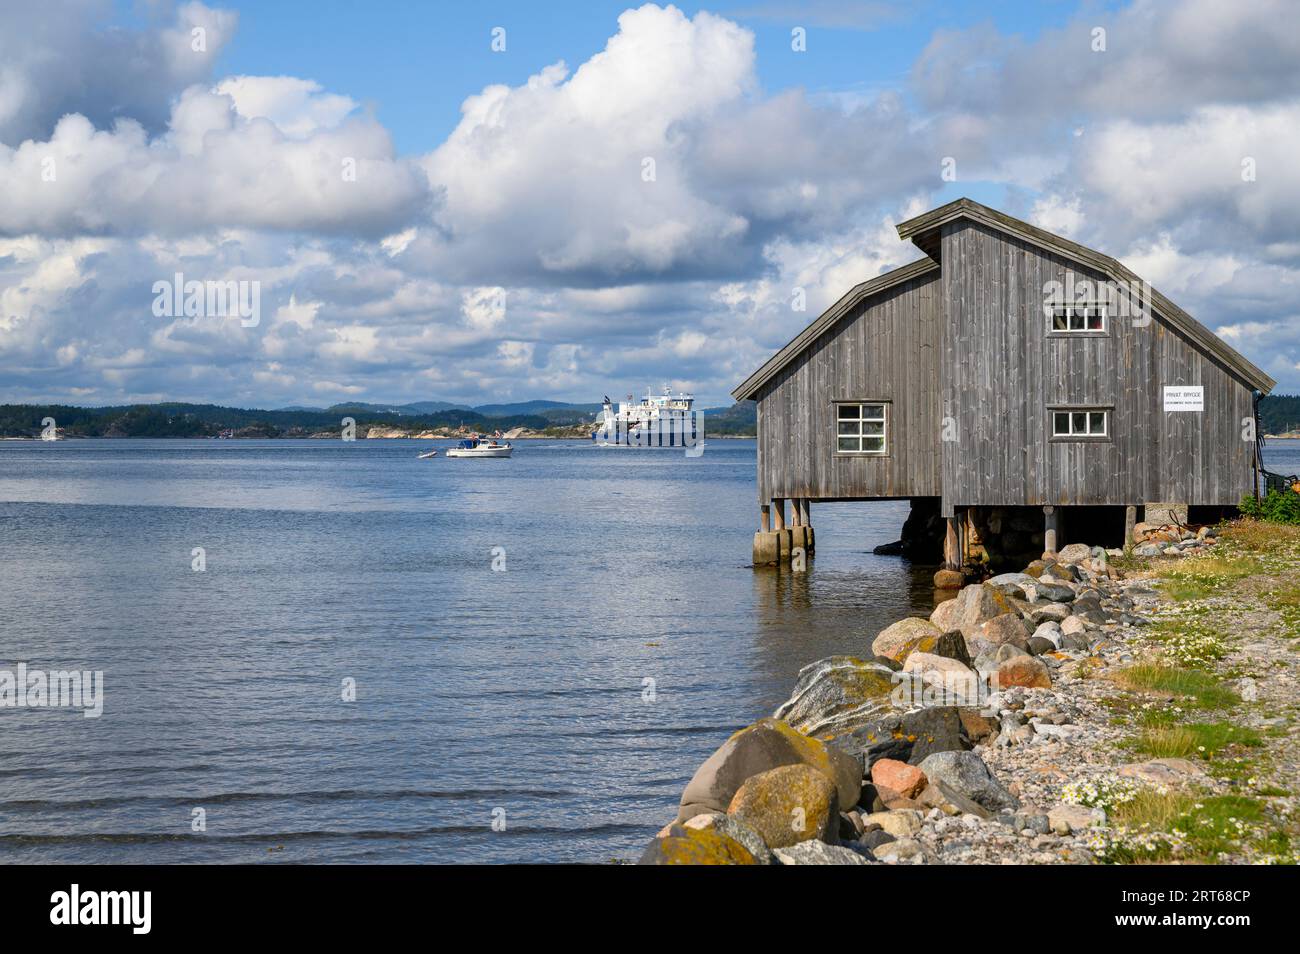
<point>1060,423</point>
<point>860,428</point>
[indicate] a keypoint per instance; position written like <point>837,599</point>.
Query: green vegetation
<point>1197,687</point>
<point>1194,740</point>
<point>1277,506</point>
<point>1279,413</point>
<point>1158,825</point>
<point>209,420</point>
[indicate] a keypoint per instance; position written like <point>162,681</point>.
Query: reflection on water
<point>476,690</point>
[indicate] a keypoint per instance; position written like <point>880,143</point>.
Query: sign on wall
<point>1184,397</point>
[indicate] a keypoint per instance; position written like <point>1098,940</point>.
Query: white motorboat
<point>480,447</point>
<point>429,453</point>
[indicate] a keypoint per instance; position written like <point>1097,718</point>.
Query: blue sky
<point>425,218</point>
<point>414,62</point>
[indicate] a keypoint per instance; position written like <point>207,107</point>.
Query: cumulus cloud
<point>653,213</point>
<point>64,56</point>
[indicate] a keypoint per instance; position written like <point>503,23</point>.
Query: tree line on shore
<point>210,420</point>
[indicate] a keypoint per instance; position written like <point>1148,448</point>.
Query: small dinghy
<point>429,453</point>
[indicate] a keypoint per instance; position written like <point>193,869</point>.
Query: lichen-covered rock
<point>973,606</point>
<point>695,846</point>
<point>736,830</point>
<point>966,774</point>
<point>788,805</point>
<point>948,579</point>
<point>1006,628</point>
<point>1019,584</point>
<point>1027,671</point>
<point>838,694</point>
<point>818,853</point>
<point>767,744</point>
<point>905,637</point>
<point>943,614</point>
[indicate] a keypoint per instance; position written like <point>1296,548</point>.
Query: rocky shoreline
<point>1002,729</point>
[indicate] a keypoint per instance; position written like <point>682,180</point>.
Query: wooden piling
<point>1051,524</point>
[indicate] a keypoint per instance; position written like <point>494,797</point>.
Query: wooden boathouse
<point>1007,378</point>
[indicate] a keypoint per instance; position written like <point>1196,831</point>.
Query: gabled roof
<point>924,231</point>
<point>828,318</point>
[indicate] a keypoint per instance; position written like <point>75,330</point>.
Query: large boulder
<point>1074,553</point>
<point>905,637</point>
<point>1018,584</point>
<point>975,605</point>
<point>736,830</point>
<point>933,729</point>
<point>896,776</point>
<point>818,853</point>
<point>944,613</point>
<point>1007,628</point>
<point>788,805</point>
<point>1026,671</point>
<point>767,744</point>
<point>695,846</point>
<point>958,684</point>
<point>838,694</point>
<point>966,774</point>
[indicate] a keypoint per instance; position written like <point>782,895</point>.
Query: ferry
<point>659,420</point>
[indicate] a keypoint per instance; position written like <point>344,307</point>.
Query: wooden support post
<point>778,513</point>
<point>1130,521</point>
<point>1051,524</point>
<point>951,545</point>
<point>766,512</point>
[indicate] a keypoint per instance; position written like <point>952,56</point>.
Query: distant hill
<point>740,418</point>
<point>1280,413</point>
<point>177,419</point>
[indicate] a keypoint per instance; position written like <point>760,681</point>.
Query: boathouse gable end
<point>980,375</point>
<point>854,413</point>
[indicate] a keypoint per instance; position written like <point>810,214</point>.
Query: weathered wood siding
<point>887,349</point>
<point>1001,371</point>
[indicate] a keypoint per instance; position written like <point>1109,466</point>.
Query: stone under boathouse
<point>1020,389</point>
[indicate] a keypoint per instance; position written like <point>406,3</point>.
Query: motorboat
<point>480,447</point>
<point>429,453</point>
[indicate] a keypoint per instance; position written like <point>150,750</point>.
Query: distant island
<point>422,419</point>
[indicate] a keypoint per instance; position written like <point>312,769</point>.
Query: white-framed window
<point>861,428</point>
<point>1080,422</point>
<point>1077,317</point>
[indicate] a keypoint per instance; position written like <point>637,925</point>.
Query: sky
<point>496,202</point>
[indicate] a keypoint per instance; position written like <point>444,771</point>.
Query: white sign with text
<point>1185,398</point>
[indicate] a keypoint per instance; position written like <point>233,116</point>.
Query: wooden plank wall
<point>885,350</point>
<point>1001,371</point>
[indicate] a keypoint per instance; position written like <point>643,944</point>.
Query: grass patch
<point>1206,576</point>
<point>1158,825</point>
<point>1195,740</point>
<point>1202,688</point>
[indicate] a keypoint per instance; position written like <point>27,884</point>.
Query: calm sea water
<point>476,691</point>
